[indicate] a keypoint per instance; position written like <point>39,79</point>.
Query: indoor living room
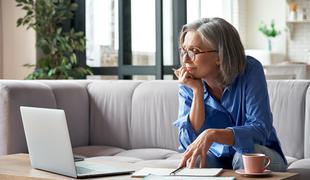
<point>113,83</point>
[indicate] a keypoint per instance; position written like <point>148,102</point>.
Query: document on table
<point>199,172</point>
<point>156,177</point>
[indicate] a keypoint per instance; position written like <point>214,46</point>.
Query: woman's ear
<point>218,62</point>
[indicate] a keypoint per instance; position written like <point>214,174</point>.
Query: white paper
<point>184,172</point>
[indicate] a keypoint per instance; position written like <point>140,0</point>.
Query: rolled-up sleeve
<point>186,132</point>
<point>257,122</point>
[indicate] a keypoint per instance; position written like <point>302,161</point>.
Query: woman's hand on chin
<point>186,78</point>
<point>198,148</point>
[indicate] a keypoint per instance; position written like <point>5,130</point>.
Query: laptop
<point>50,147</point>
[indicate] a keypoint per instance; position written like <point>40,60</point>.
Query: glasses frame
<point>191,54</point>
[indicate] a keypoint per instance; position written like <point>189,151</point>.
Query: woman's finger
<point>186,155</point>
<point>193,159</point>
<point>182,71</point>
<point>203,159</point>
<point>184,160</point>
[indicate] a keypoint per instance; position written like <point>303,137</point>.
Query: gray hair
<point>221,36</point>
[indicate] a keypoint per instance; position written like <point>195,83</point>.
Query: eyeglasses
<point>191,54</point>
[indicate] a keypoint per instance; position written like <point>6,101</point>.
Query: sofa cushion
<point>110,112</point>
<point>148,153</point>
<point>307,125</point>
<point>287,100</point>
<point>177,156</point>
<point>302,167</point>
<point>290,159</point>
<point>14,94</point>
<point>172,163</point>
<point>155,108</point>
<point>115,159</point>
<point>92,151</point>
<point>72,97</point>
<point>302,163</point>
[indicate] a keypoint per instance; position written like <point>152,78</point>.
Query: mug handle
<point>269,161</point>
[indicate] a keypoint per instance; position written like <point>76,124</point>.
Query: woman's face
<point>205,62</point>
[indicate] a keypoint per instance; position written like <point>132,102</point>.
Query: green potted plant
<point>58,47</point>
<point>269,31</point>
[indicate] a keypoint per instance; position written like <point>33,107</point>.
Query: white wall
<point>18,43</point>
<point>239,18</point>
<point>266,10</point>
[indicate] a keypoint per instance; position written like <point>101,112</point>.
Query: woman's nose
<point>186,58</point>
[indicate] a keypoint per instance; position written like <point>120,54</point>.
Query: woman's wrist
<point>198,91</point>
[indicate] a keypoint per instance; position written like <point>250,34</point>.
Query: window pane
<point>209,8</point>
<point>141,77</point>
<point>102,32</point>
<point>143,32</point>
<point>167,28</point>
<point>168,77</point>
<point>99,77</point>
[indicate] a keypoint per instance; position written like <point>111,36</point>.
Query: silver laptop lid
<point>48,140</point>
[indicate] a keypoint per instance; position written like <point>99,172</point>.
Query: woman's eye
<point>195,50</point>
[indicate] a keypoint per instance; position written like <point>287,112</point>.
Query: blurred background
<point>138,39</point>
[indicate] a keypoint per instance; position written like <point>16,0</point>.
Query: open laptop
<point>50,147</point>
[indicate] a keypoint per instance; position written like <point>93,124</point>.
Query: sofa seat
<point>290,160</point>
<point>148,153</point>
<point>302,163</point>
<point>302,167</point>
<point>92,151</point>
<point>162,163</point>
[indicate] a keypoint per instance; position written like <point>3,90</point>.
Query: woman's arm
<point>197,113</point>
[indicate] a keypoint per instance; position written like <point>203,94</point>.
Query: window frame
<point>125,69</point>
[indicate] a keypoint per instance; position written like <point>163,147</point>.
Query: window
<point>102,33</point>
<point>138,39</point>
<point>143,35</point>
<point>209,8</point>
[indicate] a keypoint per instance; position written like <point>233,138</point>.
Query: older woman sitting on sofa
<point>224,108</point>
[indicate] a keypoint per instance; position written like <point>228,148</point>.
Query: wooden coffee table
<point>17,167</point>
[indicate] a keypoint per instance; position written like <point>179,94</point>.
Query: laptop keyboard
<point>82,170</point>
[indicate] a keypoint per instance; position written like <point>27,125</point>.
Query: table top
<point>18,167</point>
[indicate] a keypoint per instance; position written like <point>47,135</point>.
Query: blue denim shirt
<point>244,107</point>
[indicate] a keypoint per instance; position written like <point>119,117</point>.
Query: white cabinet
<point>287,71</point>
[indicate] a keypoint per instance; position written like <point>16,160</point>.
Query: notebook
<point>199,172</point>
<point>155,177</point>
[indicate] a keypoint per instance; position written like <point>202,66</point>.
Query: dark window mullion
<point>179,19</point>
<point>159,39</point>
<point>125,53</point>
<point>79,25</point>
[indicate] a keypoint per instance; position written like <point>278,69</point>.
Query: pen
<point>175,171</point>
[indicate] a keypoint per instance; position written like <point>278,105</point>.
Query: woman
<point>224,108</point>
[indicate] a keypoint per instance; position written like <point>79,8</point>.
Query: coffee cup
<point>255,162</point>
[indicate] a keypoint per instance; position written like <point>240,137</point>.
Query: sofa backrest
<point>72,97</point>
<point>288,100</point>
<point>155,107</point>
<point>110,112</point>
<point>68,95</point>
